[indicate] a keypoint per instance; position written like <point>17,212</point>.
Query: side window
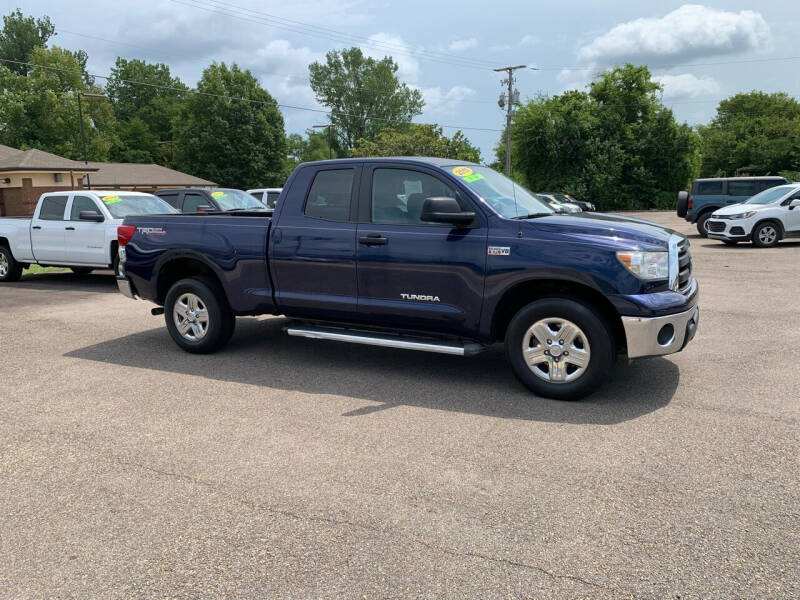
<point>257,195</point>
<point>766,184</point>
<point>709,188</point>
<point>171,199</point>
<point>398,195</point>
<point>741,188</point>
<point>272,199</point>
<point>53,208</point>
<point>82,204</point>
<point>192,202</point>
<point>329,197</point>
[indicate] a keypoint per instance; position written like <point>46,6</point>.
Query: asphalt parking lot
<point>291,468</point>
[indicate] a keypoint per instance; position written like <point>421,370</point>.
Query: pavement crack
<point>365,526</point>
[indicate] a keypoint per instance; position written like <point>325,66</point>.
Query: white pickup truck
<point>76,229</point>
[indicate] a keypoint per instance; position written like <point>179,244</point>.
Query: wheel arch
<point>177,265</point>
<point>773,220</point>
<point>525,292</point>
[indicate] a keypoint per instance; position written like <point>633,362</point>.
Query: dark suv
<point>205,200</point>
<point>707,195</point>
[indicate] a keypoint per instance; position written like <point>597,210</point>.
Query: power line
<point>270,21</point>
<point>225,97</point>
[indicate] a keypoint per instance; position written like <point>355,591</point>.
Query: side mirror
<point>795,202</point>
<point>204,208</point>
<point>445,210</point>
<point>91,215</point>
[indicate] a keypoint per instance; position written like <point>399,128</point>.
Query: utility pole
<point>83,135</point>
<point>328,127</point>
<point>509,101</point>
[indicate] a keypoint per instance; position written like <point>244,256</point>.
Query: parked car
<point>558,205</point>
<point>708,195</point>
<point>567,199</point>
<point>764,219</point>
<point>267,196</point>
<point>466,258</point>
<point>75,229</point>
<point>205,200</point>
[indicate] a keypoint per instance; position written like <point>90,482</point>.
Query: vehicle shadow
<point>101,281</point>
<point>261,354</point>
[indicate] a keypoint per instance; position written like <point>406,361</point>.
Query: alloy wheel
<point>191,317</point>
<point>556,350</point>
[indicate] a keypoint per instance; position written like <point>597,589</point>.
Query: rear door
<point>48,229</point>
<point>313,244</point>
<point>740,190</point>
<point>194,202</point>
<point>413,274</point>
<point>85,241</point>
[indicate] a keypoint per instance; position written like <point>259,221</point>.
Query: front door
<point>85,241</point>
<point>48,229</point>
<point>413,274</point>
<point>313,245</point>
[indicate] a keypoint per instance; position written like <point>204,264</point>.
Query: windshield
<point>122,205</point>
<point>771,195</point>
<point>228,199</point>
<point>505,197</point>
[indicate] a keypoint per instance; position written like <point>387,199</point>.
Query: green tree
<point>615,145</point>
<point>20,36</point>
<point>135,142</point>
<point>314,146</point>
<point>754,133</point>
<point>232,131</point>
<point>40,110</point>
<point>146,100</point>
<point>363,94</point>
<point>418,140</point>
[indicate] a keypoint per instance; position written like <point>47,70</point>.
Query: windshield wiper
<point>533,215</point>
<point>251,208</point>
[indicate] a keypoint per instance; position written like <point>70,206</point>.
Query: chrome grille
<point>684,266</point>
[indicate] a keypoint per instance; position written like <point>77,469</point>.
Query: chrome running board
<point>386,340</point>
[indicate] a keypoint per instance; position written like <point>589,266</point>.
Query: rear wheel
<point>559,348</point>
<point>198,316</point>
<point>81,270</point>
<point>766,235</point>
<point>702,225</point>
<point>10,269</point>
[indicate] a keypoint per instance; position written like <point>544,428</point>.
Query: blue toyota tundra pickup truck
<point>428,254</point>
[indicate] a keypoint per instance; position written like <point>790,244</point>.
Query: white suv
<point>764,219</point>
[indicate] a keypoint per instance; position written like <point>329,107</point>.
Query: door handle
<point>36,227</point>
<point>69,228</point>
<point>373,239</point>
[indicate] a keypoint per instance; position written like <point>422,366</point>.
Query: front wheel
<point>766,235</point>
<point>10,269</point>
<point>559,348</point>
<point>198,316</point>
<point>702,224</point>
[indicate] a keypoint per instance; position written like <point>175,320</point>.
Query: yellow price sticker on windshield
<point>111,199</point>
<point>462,171</point>
<point>218,194</point>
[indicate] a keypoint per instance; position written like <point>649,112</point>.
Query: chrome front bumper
<point>656,336</point>
<point>124,286</point>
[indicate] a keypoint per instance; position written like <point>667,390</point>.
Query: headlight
<point>646,265</point>
<point>746,215</point>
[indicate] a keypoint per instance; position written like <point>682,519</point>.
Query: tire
<point>10,269</point>
<point>594,341</point>
<point>701,224</point>
<point>81,270</point>
<point>766,234</point>
<point>730,242</point>
<point>683,204</point>
<point>201,304</point>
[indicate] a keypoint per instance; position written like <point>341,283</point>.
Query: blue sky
<point>447,49</point>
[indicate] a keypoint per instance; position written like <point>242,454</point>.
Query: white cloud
<point>437,100</point>
<point>388,45</point>
<point>689,32</point>
<point>459,45</point>
<point>499,48</point>
<point>528,40</point>
<point>686,85</point>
